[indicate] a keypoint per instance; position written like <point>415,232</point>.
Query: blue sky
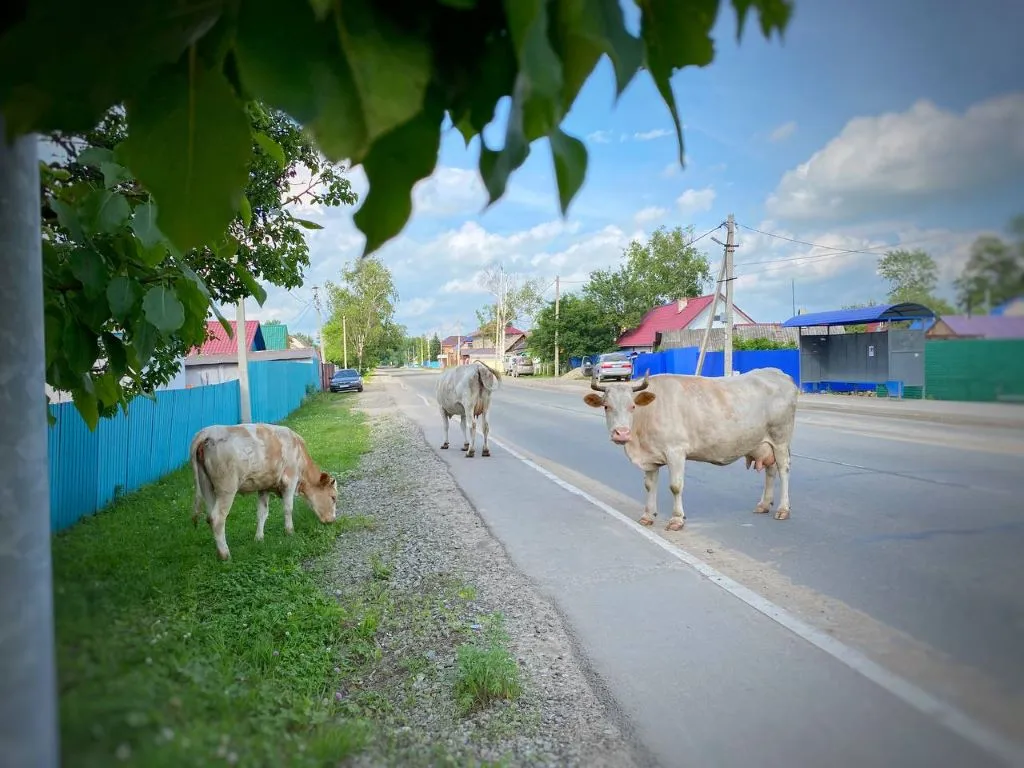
<point>869,126</point>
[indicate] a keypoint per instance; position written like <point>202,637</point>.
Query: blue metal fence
<point>128,451</point>
<point>684,361</point>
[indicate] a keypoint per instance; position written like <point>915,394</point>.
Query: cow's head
<point>619,402</point>
<point>322,497</point>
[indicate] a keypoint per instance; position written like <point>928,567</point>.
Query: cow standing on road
<point>670,419</point>
<point>465,390</point>
<point>256,458</point>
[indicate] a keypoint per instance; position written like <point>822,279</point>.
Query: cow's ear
<point>644,398</point>
<point>593,399</point>
<point>325,479</point>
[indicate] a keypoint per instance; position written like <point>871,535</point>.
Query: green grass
<point>174,658</point>
<point>485,671</point>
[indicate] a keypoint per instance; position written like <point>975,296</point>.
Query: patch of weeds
<point>380,570</point>
<point>171,657</point>
<point>485,671</point>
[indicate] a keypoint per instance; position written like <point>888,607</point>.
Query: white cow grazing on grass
<point>669,419</point>
<point>465,390</point>
<point>256,458</point>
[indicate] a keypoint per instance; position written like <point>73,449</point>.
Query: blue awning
<point>876,314</point>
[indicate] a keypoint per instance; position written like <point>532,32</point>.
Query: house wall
<point>701,320</point>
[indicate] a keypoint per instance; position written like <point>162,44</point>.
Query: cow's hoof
<point>444,446</point>
<point>675,524</point>
<point>470,454</point>
<point>485,452</point>
<point>782,514</point>
<point>465,446</point>
<point>289,531</point>
<point>224,555</point>
<point>761,509</point>
<point>646,521</point>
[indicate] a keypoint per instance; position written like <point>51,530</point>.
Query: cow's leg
<point>262,511</point>
<point>472,438</point>
<point>486,430</point>
<point>783,463</point>
<point>465,439</point>
<point>288,501</point>
<point>651,504</point>
<point>446,420</point>
<point>218,517</point>
<point>768,494</point>
<point>676,466</point>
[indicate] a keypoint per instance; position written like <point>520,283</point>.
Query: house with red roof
<point>678,315</point>
<point>218,343</point>
<point>481,346</point>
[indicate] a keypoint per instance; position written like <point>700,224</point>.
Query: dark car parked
<point>346,380</point>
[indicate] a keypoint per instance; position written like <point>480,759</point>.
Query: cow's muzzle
<point>621,435</point>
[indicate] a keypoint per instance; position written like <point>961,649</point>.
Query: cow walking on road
<point>256,458</point>
<point>667,420</point>
<point>465,391</point>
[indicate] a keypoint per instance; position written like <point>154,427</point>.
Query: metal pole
<point>244,403</point>
<point>344,338</point>
<point>29,733</point>
<point>730,231</point>
<point>556,324</point>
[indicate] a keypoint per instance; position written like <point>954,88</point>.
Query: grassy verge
<point>168,657</point>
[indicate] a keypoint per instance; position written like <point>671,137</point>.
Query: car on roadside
<point>346,380</point>
<point>613,365</point>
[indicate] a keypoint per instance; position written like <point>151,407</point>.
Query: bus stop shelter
<point>834,360</point>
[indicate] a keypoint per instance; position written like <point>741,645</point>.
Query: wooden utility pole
<point>730,232</point>
<point>244,401</point>
<point>344,338</point>
<point>458,343</point>
<point>711,320</point>
<point>557,277</point>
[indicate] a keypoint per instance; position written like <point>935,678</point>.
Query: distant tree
<point>740,345</point>
<point>858,327</point>
<point>583,329</point>
<point>267,323</point>
<point>435,347</point>
<point>913,277</point>
<point>305,338</point>
<point>994,273</point>
<point>366,297</point>
<point>667,267</point>
<point>514,301</point>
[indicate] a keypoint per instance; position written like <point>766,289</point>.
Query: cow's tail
<point>200,475</point>
<point>488,377</point>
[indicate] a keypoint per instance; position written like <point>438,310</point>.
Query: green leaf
<point>676,34</point>
<point>104,212</point>
<point>115,353</point>
<point>108,390</point>
<point>393,167</point>
<point>189,143</point>
<point>163,309</point>
<point>272,148</point>
<point>539,84</point>
<point>67,217</point>
<point>496,167</point>
<point>90,270</point>
<point>245,210</point>
<point>114,174</point>
<point>121,294</point>
<point>358,77</point>
<point>570,157</point>
<point>307,223</point>
<point>586,29</point>
<point>254,288</point>
<point>143,342</point>
<point>461,4</point>
<point>144,225</point>
<point>80,346</point>
<point>95,156</point>
<point>53,328</point>
<point>87,406</point>
<point>201,285</point>
<point>774,15</point>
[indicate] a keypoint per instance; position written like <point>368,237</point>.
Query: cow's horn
<point>643,384</point>
<point>595,386</point>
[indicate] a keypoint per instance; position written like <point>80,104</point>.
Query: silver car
<point>613,365</point>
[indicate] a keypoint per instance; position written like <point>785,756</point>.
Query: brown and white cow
<point>465,390</point>
<point>256,458</point>
<point>668,419</point>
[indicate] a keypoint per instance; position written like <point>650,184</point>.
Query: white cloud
<point>651,213</point>
<point>783,132</point>
<point>414,307</point>
<point>657,133</point>
<point>696,200</point>
<point>923,152</point>
<point>600,137</point>
<point>449,192</point>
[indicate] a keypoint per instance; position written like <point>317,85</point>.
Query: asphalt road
<point>904,548</point>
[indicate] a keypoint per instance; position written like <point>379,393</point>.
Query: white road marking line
<point>424,399</point>
<point>946,714</point>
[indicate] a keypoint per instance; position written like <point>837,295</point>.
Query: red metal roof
<point>218,342</point>
<point>667,317</point>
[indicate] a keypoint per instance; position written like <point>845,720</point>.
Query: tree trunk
<point>28,679</point>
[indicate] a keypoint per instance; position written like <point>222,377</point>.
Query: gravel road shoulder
<point>428,577</point>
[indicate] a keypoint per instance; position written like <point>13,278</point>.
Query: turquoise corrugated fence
<point>152,440</point>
